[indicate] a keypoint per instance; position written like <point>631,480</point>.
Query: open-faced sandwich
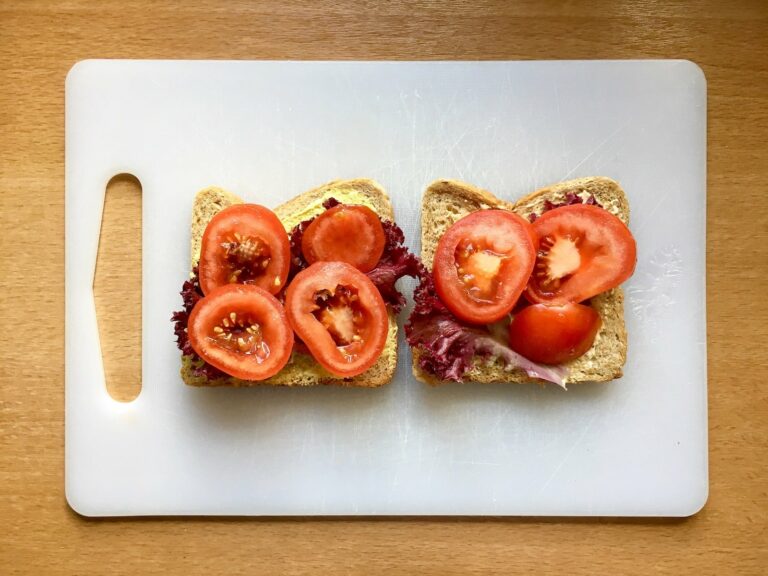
<point>524,291</point>
<point>299,296</point>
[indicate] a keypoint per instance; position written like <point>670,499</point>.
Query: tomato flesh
<point>244,244</point>
<point>482,264</point>
<point>241,330</point>
<point>339,314</point>
<point>345,233</point>
<point>554,334</point>
<point>583,250</point>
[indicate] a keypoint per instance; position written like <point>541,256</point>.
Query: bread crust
<point>446,201</point>
<point>302,369</point>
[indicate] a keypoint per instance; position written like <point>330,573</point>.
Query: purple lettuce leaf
<point>450,348</point>
<point>396,261</point>
<point>570,199</point>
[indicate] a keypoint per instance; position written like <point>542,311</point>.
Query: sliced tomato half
<point>340,315</point>
<point>241,330</point>
<point>553,334</point>
<point>245,244</point>
<point>482,264</point>
<point>345,233</point>
<point>583,250</point>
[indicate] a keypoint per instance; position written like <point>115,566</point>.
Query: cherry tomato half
<point>345,233</point>
<point>241,330</point>
<point>340,315</point>
<point>244,244</point>
<point>482,264</point>
<point>553,334</point>
<point>583,250</point>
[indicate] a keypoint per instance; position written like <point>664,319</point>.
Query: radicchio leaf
<point>449,348</point>
<point>488,347</point>
<point>191,294</point>
<point>570,199</point>
<point>396,261</point>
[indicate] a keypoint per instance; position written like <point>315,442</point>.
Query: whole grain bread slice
<point>446,201</point>
<point>301,370</point>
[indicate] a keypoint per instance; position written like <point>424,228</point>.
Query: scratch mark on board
<point>565,459</point>
<point>597,148</point>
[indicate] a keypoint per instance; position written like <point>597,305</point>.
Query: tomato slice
<point>245,244</point>
<point>340,315</point>
<point>241,330</point>
<point>583,250</point>
<point>345,233</point>
<point>482,264</point>
<point>554,334</point>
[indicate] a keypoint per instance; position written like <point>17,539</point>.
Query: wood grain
<point>117,287</point>
<point>39,42</point>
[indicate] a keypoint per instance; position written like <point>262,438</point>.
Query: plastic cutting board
<point>270,130</point>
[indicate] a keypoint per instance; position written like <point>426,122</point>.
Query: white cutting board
<point>270,130</point>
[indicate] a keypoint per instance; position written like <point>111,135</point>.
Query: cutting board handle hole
<point>117,287</point>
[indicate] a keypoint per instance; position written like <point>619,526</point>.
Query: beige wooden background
<point>39,42</point>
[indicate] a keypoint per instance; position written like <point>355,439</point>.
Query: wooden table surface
<point>39,42</point>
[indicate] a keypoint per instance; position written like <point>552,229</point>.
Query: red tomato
<point>554,334</point>
<point>344,233</point>
<point>241,330</point>
<point>583,250</point>
<point>340,315</point>
<point>245,244</point>
<point>482,264</point>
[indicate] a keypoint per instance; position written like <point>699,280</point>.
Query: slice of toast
<point>301,370</point>
<point>446,201</point>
